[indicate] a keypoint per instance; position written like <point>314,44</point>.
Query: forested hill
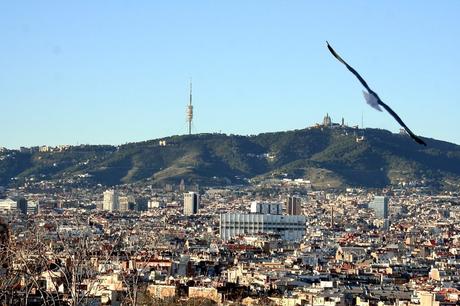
<point>328,157</point>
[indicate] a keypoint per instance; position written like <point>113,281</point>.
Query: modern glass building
<point>380,207</point>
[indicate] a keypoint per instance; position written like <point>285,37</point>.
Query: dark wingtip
<point>330,48</point>
<point>420,141</point>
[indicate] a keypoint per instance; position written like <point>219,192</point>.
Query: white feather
<point>372,100</point>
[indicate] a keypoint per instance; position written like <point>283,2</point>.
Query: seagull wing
<point>388,109</point>
<point>373,99</point>
<point>349,68</point>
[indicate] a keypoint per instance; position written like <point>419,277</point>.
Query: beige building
<point>205,293</point>
<point>111,200</point>
<point>126,202</point>
<point>161,291</point>
<point>191,203</point>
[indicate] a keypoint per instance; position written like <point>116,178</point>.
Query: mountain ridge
<point>329,157</point>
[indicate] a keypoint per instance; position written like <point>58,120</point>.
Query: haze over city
<point>111,73</point>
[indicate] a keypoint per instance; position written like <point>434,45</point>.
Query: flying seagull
<point>373,99</point>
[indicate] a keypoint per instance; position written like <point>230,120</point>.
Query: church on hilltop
<point>327,122</point>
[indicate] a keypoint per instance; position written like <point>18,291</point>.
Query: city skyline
<point>91,73</point>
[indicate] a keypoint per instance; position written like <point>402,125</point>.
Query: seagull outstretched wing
<point>373,99</point>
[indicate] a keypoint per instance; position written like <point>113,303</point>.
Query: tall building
<point>111,200</point>
<point>293,206</point>
<point>287,227</point>
<point>191,203</point>
<point>140,204</point>
<point>327,121</point>
<point>22,206</point>
<point>2,192</point>
<point>190,111</point>
<point>380,207</point>
<point>126,203</point>
<point>266,208</point>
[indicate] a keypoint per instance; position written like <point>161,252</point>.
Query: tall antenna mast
<point>362,120</point>
<point>190,111</point>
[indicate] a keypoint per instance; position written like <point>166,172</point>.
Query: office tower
<point>380,207</point>
<point>22,205</point>
<point>191,203</point>
<point>141,204</point>
<point>266,208</point>
<point>293,206</point>
<point>123,202</point>
<point>111,200</point>
<point>126,203</point>
<point>287,227</point>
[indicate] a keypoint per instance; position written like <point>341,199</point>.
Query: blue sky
<point>111,72</point>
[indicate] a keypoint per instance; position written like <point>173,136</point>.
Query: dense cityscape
<point>229,153</point>
<point>278,242</point>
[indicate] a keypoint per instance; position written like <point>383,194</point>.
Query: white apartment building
<point>288,227</point>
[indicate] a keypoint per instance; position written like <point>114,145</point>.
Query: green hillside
<point>328,157</point>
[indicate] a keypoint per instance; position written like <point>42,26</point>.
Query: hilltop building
<point>327,122</point>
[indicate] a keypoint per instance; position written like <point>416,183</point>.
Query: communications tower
<point>190,111</point>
